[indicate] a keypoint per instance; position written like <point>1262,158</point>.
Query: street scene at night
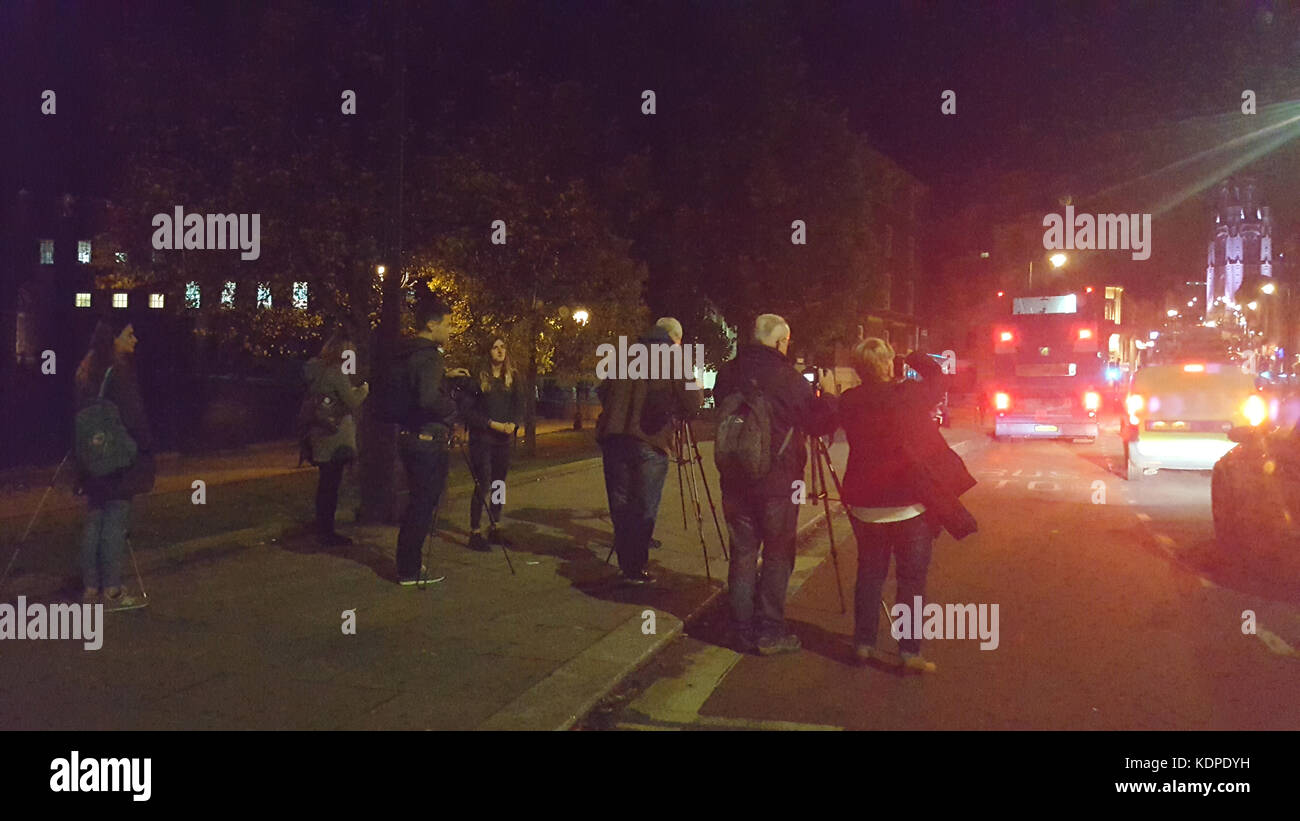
<point>624,367</point>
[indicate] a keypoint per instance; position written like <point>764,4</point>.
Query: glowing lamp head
<point>1005,336</point>
<point>1268,288</point>
<point>1057,260</point>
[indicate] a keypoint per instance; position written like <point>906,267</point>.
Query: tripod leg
<point>704,479</point>
<point>39,506</point>
<point>139,579</point>
<point>820,458</point>
<point>699,519</point>
<point>681,488</point>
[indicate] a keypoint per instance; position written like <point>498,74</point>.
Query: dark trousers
<point>426,477</point>
<point>910,542</point>
<point>634,483</point>
<point>490,459</point>
<point>327,494</point>
<point>760,524</point>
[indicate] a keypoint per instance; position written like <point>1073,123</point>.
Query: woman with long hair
<point>491,418</point>
<point>332,430</point>
<point>109,369</point>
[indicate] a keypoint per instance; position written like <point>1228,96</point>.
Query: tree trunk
<point>530,399</point>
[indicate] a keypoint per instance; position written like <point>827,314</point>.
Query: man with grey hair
<point>761,513</point>
<point>635,431</point>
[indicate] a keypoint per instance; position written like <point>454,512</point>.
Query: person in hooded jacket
<point>110,365</point>
<point>901,487</point>
<point>635,430</point>
<point>761,515</point>
<point>423,439</point>
<point>332,451</point>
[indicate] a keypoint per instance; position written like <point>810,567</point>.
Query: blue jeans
<point>634,483</point>
<point>103,541</point>
<point>910,542</point>
<point>769,524</point>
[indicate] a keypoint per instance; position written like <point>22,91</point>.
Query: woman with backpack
<point>108,373</point>
<point>491,418</point>
<point>326,419</point>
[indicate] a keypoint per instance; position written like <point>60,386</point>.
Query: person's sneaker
<point>423,578</point>
<point>772,645</point>
<point>866,652</point>
<point>478,543</point>
<point>746,640</point>
<point>495,536</point>
<point>914,661</point>
<point>122,601</point>
<point>333,540</point>
<point>639,578</point>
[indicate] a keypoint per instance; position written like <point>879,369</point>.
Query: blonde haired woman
<point>901,486</point>
<point>491,418</point>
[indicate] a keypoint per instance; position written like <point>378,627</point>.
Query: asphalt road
<point>1116,610</point>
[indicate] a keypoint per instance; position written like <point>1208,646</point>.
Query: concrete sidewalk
<point>245,631</point>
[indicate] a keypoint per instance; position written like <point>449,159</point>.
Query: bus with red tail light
<point>1049,368</point>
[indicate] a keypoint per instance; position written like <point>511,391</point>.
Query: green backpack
<point>102,443</point>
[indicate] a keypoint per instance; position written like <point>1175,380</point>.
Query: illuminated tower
<point>1241,241</point>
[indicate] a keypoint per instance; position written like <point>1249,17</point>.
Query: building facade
<point>1241,241</point>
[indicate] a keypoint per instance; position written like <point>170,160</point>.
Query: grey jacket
<point>330,380</point>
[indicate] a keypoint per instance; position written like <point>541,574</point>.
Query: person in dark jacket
<point>491,417</point>
<point>424,438</point>
<point>901,486</point>
<point>761,516</point>
<point>332,451</point>
<point>635,431</point>
<point>109,365</point>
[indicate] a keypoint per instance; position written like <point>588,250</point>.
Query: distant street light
<point>1171,312</point>
<point>1057,259</point>
<point>1252,305</point>
<point>581,316</point>
<point>1268,288</point>
<point>380,270</point>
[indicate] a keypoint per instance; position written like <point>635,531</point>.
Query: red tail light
<point>1085,333</point>
<point>1001,401</point>
<point>1092,400</point>
<point>1005,336</point>
<point>1133,405</point>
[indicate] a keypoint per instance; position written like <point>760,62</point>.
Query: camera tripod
<point>690,476</point>
<point>821,463</point>
<point>479,492</point>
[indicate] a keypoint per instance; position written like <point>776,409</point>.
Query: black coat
<point>795,407</point>
<point>123,389</point>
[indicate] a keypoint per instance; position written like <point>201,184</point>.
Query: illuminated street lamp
<point>1172,312</point>
<point>1254,306</point>
<point>1268,288</point>
<point>581,316</point>
<point>1057,259</point>
<point>380,270</point>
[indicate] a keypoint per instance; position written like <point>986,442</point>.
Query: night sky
<point>1090,100</point>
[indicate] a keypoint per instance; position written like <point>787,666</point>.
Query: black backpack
<point>743,446</point>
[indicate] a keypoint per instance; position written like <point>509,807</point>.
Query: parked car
<point>1255,490</point>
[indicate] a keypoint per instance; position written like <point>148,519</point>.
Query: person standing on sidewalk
<point>492,417</point>
<point>109,367</point>
<point>332,450</point>
<point>761,514</point>
<point>635,430</point>
<point>423,439</point>
<point>901,486</point>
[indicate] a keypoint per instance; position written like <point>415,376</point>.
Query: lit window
<point>83,251</point>
<point>228,295</point>
<point>83,300</point>
<point>120,256</point>
<point>119,300</point>
<point>47,252</point>
<point>300,295</point>
<point>192,295</point>
<point>155,300</point>
<point>263,295</point>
